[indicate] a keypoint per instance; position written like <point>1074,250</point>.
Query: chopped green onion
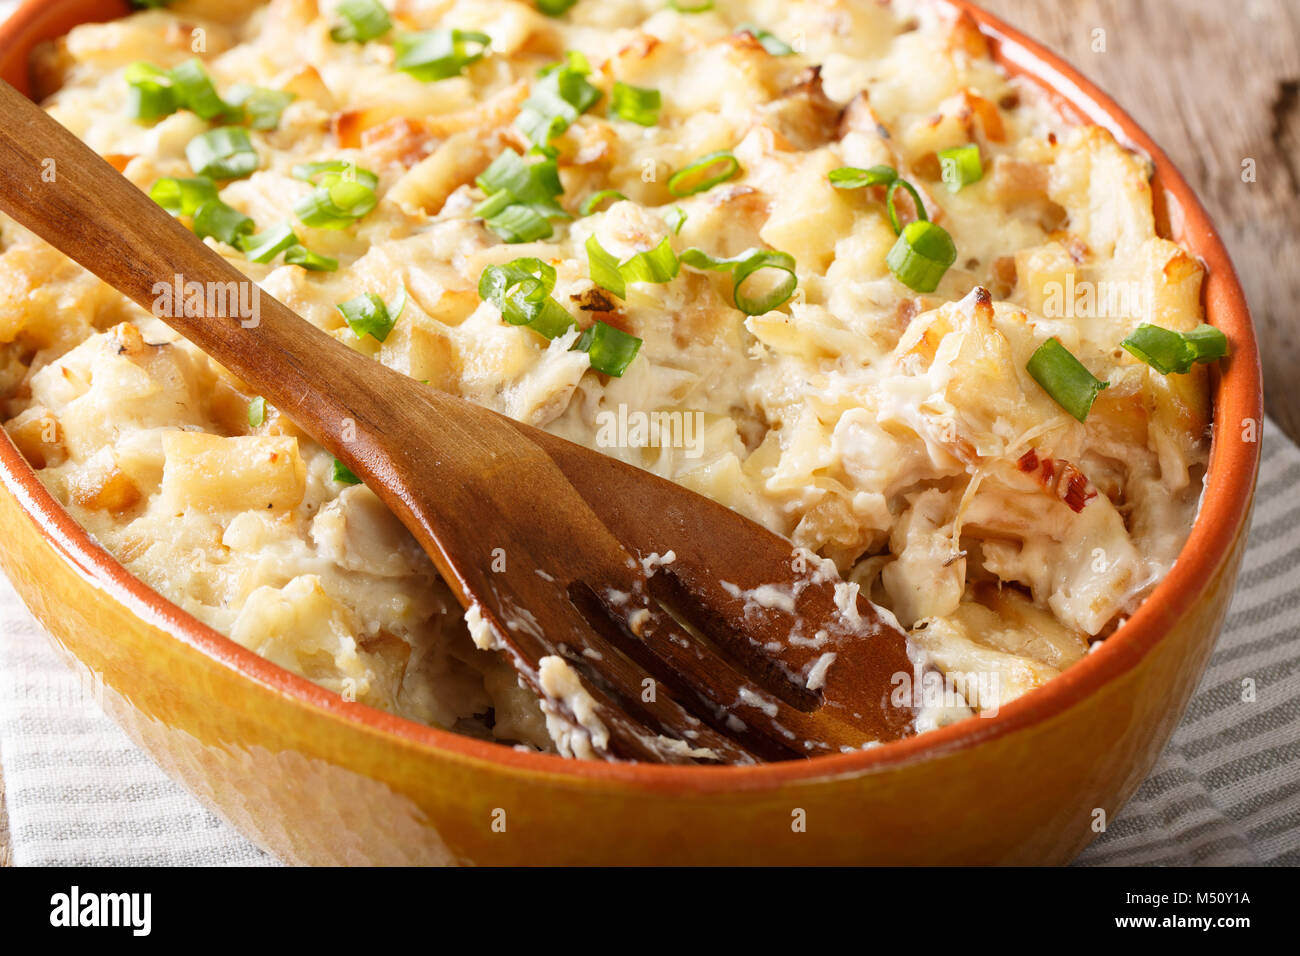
<point>923,253</point>
<point>657,265</point>
<point>214,218</point>
<point>554,8</point>
<point>697,178</point>
<point>603,268</point>
<point>1208,343</point>
<point>343,474</point>
<point>894,221</point>
<point>183,197</point>
<point>363,20</point>
<point>676,218</point>
<point>322,174</point>
<point>195,91</point>
<point>850,177</point>
<point>344,193</point>
<point>517,222</point>
<point>439,54</point>
<point>557,100</point>
<point>594,201</point>
<point>961,167</point>
<point>743,267</point>
<point>150,92</point>
<point>691,6</point>
<point>777,295</point>
<point>336,206</point>
<point>261,107</point>
<point>521,197</point>
<point>770,42</point>
<point>521,290</point>
<point>609,350</point>
<point>1174,353</point>
<point>257,412</point>
<point>1065,378</point>
<point>573,60</point>
<point>368,315</point>
<point>300,255</point>
<point>523,181</point>
<point>222,153</point>
<point>635,104</point>
<point>267,245</point>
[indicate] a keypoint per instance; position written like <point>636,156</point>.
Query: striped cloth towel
<point>1226,791</point>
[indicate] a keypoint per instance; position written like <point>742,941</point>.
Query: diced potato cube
<point>808,216</point>
<point>1044,277</point>
<point>232,474</point>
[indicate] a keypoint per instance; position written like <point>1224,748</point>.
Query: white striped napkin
<point>1227,790</point>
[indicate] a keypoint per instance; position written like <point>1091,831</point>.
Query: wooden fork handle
<point>61,190</point>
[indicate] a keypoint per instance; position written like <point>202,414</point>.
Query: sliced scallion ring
<point>961,166</point>
<point>604,269</point>
<point>851,177</point>
<point>521,290</point>
<point>656,266</point>
<point>265,246</point>
<point>521,180</point>
<point>343,474</point>
<point>704,173</point>
<point>262,108</point>
<point>518,222</point>
<point>368,315</point>
<point>691,6</point>
<point>921,256</point>
<point>1174,353</point>
<point>559,97</point>
<point>300,255</point>
<point>1065,378</point>
<point>771,43</point>
<point>183,197</point>
<point>676,218</point>
<point>345,193</point>
<point>150,92</point>
<point>257,412</point>
<point>439,54</point>
<point>319,173</point>
<point>554,8</point>
<point>214,218</point>
<point>635,104</point>
<point>609,350</point>
<point>894,187</point>
<point>760,303</point>
<point>363,20</point>
<point>195,90</point>
<point>596,200</point>
<point>743,267</point>
<point>521,197</point>
<point>223,153</point>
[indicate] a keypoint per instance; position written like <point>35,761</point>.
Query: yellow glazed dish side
<point>315,779</point>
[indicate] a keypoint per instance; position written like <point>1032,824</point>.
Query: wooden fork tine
<point>613,683</point>
<point>777,641</point>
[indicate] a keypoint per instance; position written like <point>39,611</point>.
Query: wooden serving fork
<point>684,623</point>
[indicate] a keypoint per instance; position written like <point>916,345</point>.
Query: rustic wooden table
<point>1218,86</point>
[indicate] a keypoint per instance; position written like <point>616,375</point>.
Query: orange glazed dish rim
<point>1225,508</point>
